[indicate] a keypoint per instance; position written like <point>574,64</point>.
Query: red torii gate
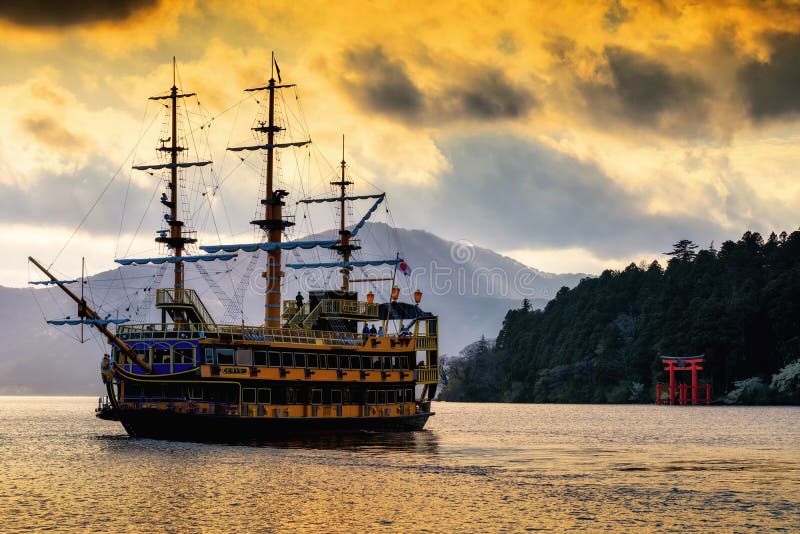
<point>689,363</point>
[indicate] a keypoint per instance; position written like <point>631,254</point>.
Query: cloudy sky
<point>573,136</point>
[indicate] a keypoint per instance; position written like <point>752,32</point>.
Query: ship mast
<point>344,247</point>
<point>273,221</point>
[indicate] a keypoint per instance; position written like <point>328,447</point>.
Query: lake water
<point>478,468</point>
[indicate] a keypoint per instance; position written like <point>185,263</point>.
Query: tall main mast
<point>273,222</point>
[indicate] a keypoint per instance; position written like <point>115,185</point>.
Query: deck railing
<point>184,297</point>
<point>129,332</point>
<point>427,375</point>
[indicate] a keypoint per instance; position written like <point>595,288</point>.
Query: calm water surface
<point>478,468</point>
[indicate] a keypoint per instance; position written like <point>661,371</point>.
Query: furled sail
<point>367,215</point>
<point>171,165</point>
<point>103,322</point>
<point>268,146</point>
<point>52,282</point>
<point>339,199</point>
<point>252,247</point>
<point>175,259</point>
<point>343,264</point>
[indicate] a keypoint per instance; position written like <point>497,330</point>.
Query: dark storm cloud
<point>58,13</point>
<point>382,84</point>
<point>647,92</point>
<point>48,131</point>
<point>615,15</point>
<point>379,83</point>
<point>511,193</point>
<point>772,88</point>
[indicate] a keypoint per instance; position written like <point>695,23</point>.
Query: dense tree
<point>600,342</point>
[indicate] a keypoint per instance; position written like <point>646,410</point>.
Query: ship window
<point>355,362</point>
<point>371,396</point>
<point>382,397</point>
<point>260,358</point>
<point>183,353</point>
<point>195,392</point>
<point>161,354</point>
<point>366,363</point>
<point>322,361</point>
<point>403,362</point>
<point>376,363</point>
<point>316,396</point>
<point>264,396</point>
<point>249,395</point>
<point>225,356</point>
<point>409,395</point>
<point>395,362</point>
<point>287,359</point>
<point>387,363</point>
<point>274,359</point>
<point>244,357</point>
<point>311,359</point>
<point>346,396</point>
<point>344,362</point>
<point>209,356</point>
<point>291,395</point>
<point>300,359</point>
<point>336,396</point>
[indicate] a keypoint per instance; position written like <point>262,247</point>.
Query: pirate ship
<point>309,367</point>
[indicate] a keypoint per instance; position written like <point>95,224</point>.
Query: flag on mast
<point>277,68</point>
<point>404,268</point>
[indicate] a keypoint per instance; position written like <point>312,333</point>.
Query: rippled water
<point>478,468</point>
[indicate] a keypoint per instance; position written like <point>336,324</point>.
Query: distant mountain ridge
<point>470,288</point>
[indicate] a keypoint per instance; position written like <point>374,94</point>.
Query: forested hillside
<point>600,342</point>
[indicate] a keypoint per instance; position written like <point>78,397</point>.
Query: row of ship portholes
<point>312,360</point>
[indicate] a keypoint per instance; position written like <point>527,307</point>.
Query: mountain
<point>470,288</point>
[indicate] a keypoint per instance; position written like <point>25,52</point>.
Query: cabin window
<point>403,362</point>
<point>287,359</point>
<point>382,397</point>
<point>336,396</point>
<point>300,359</point>
<point>244,357</point>
<point>387,363</point>
<point>323,361</point>
<point>311,360</point>
<point>371,396</point>
<point>260,358</point>
<point>316,396</point>
<point>366,363</point>
<point>346,396</point>
<point>376,363</point>
<point>274,359</point>
<point>225,356</point>
<point>184,354</point>
<point>292,395</point>
<point>344,362</point>
<point>209,356</point>
<point>249,395</point>
<point>409,395</point>
<point>161,354</point>
<point>264,396</point>
<point>195,392</point>
<point>395,362</point>
<point>355,362</point>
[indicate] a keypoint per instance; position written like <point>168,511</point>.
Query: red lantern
<point>417,296</point>
<point>370,297</point>
<point>395,293</point>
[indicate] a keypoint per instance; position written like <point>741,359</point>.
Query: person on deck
<point>299,300</point>
<point>380,331</point>
<point>372,331</point>
<point>365,332</point>
<point>105,368</point>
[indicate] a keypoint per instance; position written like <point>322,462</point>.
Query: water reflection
<point>421,442</point>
